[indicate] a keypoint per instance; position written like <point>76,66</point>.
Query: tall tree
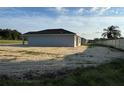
<point>112,32</point>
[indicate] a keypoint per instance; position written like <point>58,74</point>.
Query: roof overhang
<point>28,35</point>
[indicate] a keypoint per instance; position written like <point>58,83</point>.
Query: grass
<point>91,46</point>
<point>106,74</point>
<point>10,41</point>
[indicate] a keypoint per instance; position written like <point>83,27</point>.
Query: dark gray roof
<point>51,31</point>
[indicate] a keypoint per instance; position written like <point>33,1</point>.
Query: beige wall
<point>77,41</point>
<point>118,43</point>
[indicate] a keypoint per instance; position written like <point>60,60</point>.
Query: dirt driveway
<point>18,60</point>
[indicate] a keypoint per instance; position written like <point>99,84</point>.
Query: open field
<point>17,60</point>
<point>10,42</point>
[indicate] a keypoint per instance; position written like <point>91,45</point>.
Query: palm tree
<point>111,32</point>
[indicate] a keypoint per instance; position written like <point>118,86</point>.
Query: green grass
<point>106,74</point>
<point>10,41</point>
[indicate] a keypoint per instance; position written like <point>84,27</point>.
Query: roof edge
<point>53,31</point>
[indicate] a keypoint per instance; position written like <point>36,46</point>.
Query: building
<point>83,41</point>
<point>53,38</point>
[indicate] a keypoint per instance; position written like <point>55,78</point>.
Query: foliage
<point>112,32</point>
<point>97,39</point>
<point>8,34</point>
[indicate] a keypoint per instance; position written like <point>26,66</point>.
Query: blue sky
<point>85,21</point>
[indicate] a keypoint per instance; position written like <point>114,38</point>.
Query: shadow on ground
<point>26,70</point>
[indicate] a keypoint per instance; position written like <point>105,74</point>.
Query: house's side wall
<point>52,40</point>
<point>77,40</point>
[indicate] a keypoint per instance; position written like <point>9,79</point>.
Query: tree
<point>9,34</point>
<point>112,32</point>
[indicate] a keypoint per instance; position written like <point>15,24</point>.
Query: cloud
<point>116,12</point>
<point>80,11</point>
<point>84,26</point>
<point>61,10</point>
<point>99,10</point>
<point>69,11</point>
<point>78,24</point>
<point>102,10</point>
<point>94,9</point>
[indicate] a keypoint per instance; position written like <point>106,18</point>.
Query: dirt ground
<point>19,59</point>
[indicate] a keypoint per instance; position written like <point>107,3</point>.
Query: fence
<point>117,43</point>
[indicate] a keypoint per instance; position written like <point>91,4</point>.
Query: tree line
<point>9,34</point>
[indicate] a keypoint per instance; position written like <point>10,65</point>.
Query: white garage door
<point>52,40</point>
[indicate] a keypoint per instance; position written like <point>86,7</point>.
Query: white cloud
<point>99,10</point>
<point>61,10</point>
<point>102,10</point>
<point>116,12</point>
<point>80,11</point>
<point>85,26</point>
<point>94,9</point>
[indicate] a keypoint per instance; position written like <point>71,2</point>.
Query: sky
<point>88,22</point>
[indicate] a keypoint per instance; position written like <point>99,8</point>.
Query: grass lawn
<point>106,74</point>
<point>10,41</point>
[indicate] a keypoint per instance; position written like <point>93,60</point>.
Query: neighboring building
<point>83,41</point>
<point>90,41</point>
<point>53,38</point>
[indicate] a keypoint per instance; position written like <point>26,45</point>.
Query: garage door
<point>52,40</point>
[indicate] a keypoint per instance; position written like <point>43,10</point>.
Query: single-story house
<point>53,38</point>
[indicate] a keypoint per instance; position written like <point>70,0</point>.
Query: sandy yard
<point>17,60</point>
